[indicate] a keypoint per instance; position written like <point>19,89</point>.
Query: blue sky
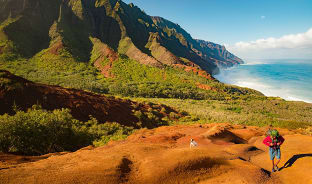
<point>235,21</point>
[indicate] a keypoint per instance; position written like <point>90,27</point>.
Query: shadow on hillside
<point>294,158</point>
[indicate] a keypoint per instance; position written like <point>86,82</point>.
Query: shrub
<point>163,110</point>
<point>103,133</point>
<point>174,115</point>
<point>39,131</point>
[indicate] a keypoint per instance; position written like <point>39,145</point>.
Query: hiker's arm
<point>281,140</point>
<point>267,141</point>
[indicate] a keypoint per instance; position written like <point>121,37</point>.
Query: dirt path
<point>226,154</point>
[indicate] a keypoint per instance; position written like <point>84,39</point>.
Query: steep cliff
<point>56,31</point>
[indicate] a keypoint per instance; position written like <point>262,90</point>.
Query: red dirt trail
<point>225,154</point>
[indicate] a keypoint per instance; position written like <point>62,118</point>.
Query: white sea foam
<point>290,98</point>
<point>245,79</point>
<point>249,61</point>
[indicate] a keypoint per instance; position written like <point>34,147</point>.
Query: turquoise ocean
<point>288,79</point>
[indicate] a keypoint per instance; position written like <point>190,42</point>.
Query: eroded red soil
<point>225,154</point>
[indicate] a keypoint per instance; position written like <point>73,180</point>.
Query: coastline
<point>287,85</point>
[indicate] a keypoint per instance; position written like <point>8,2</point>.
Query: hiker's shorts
<point>275,153</point>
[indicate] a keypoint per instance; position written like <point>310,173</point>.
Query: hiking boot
<point>273,170</point>
<point>276,168</point>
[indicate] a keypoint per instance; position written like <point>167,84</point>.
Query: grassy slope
<point>131,79</point>
<point>228,104</point>
<point>275,111</point>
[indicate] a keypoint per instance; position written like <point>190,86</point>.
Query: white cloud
<point>288,46</point>
<point>262,17</point>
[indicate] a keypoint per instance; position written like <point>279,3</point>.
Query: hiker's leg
<point>273,166</point>
<point>278,156</point>
<point>272,155</point>
<point>277,161</point>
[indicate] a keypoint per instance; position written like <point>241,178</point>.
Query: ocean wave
<point>290,98</point>
<point>269,87</point>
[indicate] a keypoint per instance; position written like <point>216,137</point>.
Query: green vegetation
<point>151,119</point>
<point>6,46</point>
<point>131,79</point>
<point>278,112</point>
<point>38,131</point>
<point>103,133</point>
<point>68,74</point>
<point>136,80</point>
<point>226,103</point>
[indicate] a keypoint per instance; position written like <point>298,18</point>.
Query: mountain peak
<point>124,28</point>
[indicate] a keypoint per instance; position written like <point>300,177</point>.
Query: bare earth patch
<point>225,154</point>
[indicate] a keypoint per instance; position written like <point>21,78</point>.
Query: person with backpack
<point>274,141</point>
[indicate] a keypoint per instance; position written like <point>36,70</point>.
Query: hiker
<point>274,141</point>
<point>193,143</point>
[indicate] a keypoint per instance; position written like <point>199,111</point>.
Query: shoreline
<point>274,88</point>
